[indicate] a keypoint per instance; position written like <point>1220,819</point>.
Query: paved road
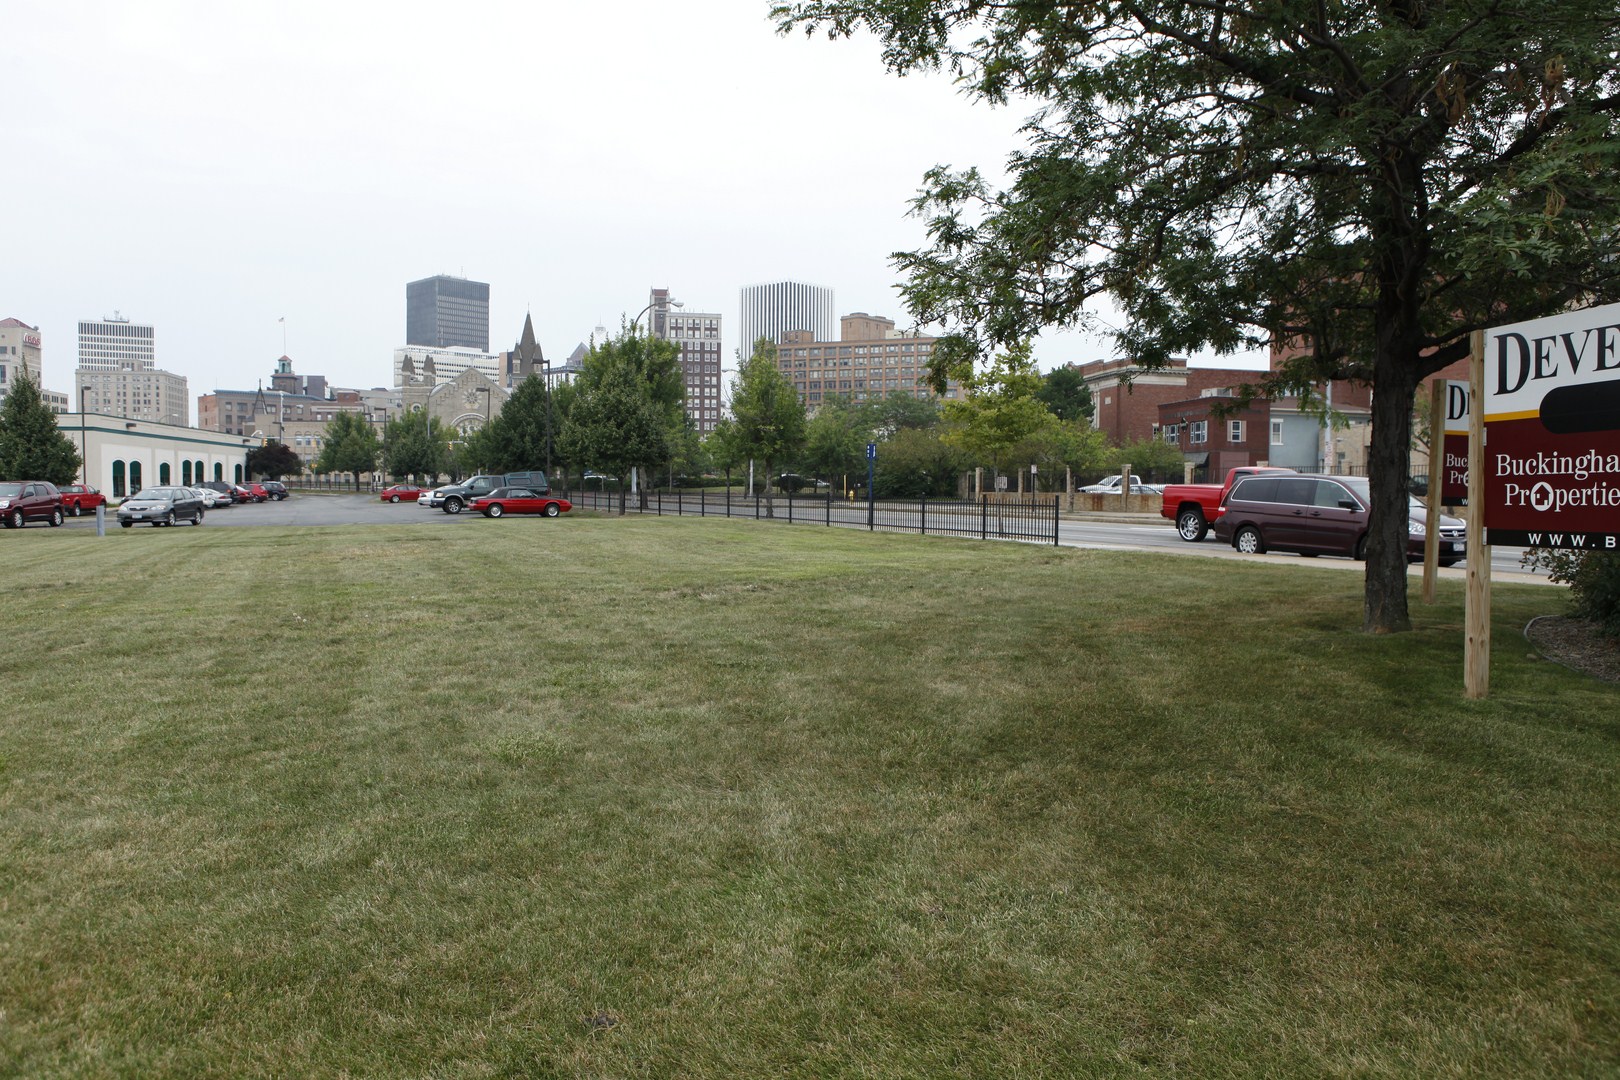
<point>338,509</point>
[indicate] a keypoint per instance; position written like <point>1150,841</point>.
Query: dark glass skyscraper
<point>444,312</point>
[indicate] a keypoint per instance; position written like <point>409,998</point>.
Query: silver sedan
<point>161,506</point>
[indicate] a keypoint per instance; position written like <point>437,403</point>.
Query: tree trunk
<point>1389,466</point>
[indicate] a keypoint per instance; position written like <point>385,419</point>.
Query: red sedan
<point>77,498</point>
<point>401,493</point>
<point>516,500</point>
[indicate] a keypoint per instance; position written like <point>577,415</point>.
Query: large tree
<point>349,446</point>
<point>614,425</point>
<point>31,447</point>
<point>1000,411</point>
<point>522,436</point>
<point>769,420</point>
<point>1066,394</point>
<point>274,460</point>
<point>1373,181</point>
<point>656,364</point>
<point>415,445</point>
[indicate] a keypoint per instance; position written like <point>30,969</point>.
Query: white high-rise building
<point>418,363</point>
<point>770,311</point>
<point>116,344</point>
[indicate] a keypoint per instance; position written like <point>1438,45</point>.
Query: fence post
<point>923,505</point>
<point>984,516</point>
<point>829,508</point>
<point>1054,520</point>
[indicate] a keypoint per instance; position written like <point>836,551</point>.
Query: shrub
<point>1593,578</point>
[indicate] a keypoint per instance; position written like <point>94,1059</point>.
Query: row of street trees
<point>624,415</point>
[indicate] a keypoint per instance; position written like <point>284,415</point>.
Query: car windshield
<point>158,494</point>
<point>12,490</point>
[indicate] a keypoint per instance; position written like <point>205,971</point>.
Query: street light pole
<point>84,446</point>
<point>658,302</point>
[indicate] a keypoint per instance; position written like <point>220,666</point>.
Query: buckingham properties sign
<point>1552,431</point>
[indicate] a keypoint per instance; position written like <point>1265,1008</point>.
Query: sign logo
<point>1552,431</point>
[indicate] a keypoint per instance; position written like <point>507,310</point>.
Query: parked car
<point>242,494</point>
<point>401,493</point>
<point>793,482</point>
<point>211,498</point>
<point>1194,507</point>
<point>161,506</point>
<point>259,492</point>
<point>22,501</point>
<point>77,498</point>
<point>517,500</point>
<point>276,489</point>
<point>1110,485</point>
<point>226,492</point>
<point>1321,515</point>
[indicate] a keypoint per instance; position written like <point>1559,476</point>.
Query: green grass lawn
<point>676,798</point>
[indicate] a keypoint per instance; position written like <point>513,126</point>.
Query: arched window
<point>163,473</point>
<point>185,473</point>
<point>118,480</point>
<point>134,477</point>
<point>239,474</point>
<point>219,470</point>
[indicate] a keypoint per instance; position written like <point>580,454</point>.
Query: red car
<point>401,493</point>
<point>77,498</point>
<point>259,492</point>
<point>516,500</point>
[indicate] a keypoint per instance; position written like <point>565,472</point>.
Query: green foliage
<point>917,462</point>
<point>350,446</point>
<point>274,460</point>
<point>31,446</point>
<point>516,439</point>
<point>1072,445</point>
<point>414,444</point>
<point>1153,460</point>
<point>898,410</point>
<point>1001,409</point>
<point>1064,392</point>
<point>1593,578</point>
<point>769,422</point>
<point>1374,180</point>
<point>615,425</point>
<point>835,439</point>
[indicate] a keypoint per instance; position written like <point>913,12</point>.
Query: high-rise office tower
<point>444,312</point>
<point>116,344</point>
<point>769,311</point>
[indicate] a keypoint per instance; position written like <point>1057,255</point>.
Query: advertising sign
<point>1552,431</point>
<point>1454,446</point>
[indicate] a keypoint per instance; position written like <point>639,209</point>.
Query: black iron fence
<point>1032,521</point>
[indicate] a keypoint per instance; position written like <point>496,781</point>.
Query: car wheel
<point>552,510</point>
<point>1248,541</point>
<point>198,519</point>
<point>1449,562</point>
<point>78,509</point>
<point>127,524</point>
<point>1360,554</point>
<point>393,498</point>
<point>1191,525</point>
<point>168,519</point>
<point>15,521</point>
<point>452,505</point>
<point>494,510</point>
<point>56,517</point>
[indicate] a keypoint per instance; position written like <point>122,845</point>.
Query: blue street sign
<point>871,451</point>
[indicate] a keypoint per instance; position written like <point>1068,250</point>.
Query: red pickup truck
<point>1195,507</point>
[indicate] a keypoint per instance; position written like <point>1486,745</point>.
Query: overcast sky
<point>212,168</point>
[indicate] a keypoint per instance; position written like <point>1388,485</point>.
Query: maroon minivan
<point>1320,515</point>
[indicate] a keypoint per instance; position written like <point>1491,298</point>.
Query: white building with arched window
<point>121,456</point>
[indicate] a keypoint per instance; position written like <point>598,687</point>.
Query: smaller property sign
<point>1454,446</point>
<point>1552,431</point>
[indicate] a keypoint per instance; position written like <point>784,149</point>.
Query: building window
<point>1199,433</point>
<point>1276,433</point>
<point>1172,434</point>
<point>1234,431</point>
